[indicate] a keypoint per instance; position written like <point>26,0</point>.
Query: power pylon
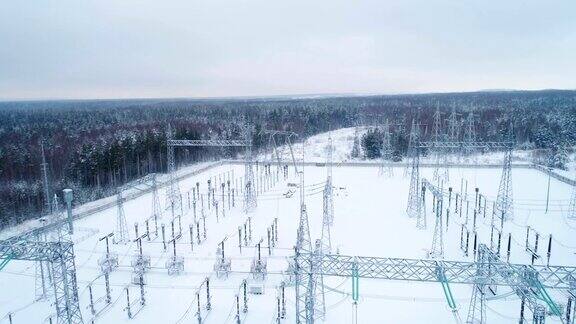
<point>453,126</point>
<point>386,153</point>
<point>437,250</point>
<point>477,308</point>
<point>121,235</point>
<point>173,197</point>
<point>413,140</point>
<point>437,137</point>
<point>156,209</point>
<point>470,132</point>
<point>317,289</point>
<point>250,190</point>
<point>453,131</point>
<point>414,200</point>
<point>305,279</point>
<point>327,204</point>
<point>504,200</point>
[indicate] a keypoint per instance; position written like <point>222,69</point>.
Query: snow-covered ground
<point>370,220</point>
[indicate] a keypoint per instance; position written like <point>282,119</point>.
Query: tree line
<point>95,146</point>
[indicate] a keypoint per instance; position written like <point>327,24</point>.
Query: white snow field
<point>370,220</point>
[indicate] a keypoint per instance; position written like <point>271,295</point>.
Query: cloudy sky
<point>214,48</point>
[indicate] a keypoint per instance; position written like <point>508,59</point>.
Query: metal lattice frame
<point>504,200</point>
<point>528,282</point>
<point>437,250</point>
<point>61,257</point>
<point>425,270</point>
<point>174,197</point>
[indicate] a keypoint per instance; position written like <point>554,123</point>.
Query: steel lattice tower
<point>477,308</point>
<point>156,209</point>
<point>121,232</point>
<point>504,200</point>
<point>42,276</point>
<point>453,126</point>
<point>317,289</point>
<point>470,132</point>
<point>437,250</point>
<point>453,130</point>
<point>386,153</point>
<point>173,198</point>
<point>414,200</point>
<point>413,140</point>
<point>250,190</point>
<point>327,204</point>
<point>437,137</point>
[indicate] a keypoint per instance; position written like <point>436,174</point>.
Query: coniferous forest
<point>94,146</point>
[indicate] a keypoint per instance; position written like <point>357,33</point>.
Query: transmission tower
<point>437,137</point>
<point>413,139</point>
<point>504,200</point>
<point>327,205</point>
<point>470,132</point>
<point>453,126</point>
<point>437,250</point>
<point>173,198</point>
<point>304,277</point>
<point>477,308</point>
<point>156,209</point>
<point>318,295</point>
<point>414,200</point>
<point>121,232</point>
<point>386,153</point>
<point>250,190</point>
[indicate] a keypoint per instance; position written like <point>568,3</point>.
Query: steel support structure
<point>60,256</point>
<point>250,190</point>
<point>528,282</point>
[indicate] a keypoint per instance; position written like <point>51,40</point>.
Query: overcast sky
<point>213,48</point>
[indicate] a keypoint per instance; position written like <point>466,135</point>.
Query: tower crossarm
<point>22,249</point>
<point>433,189</point>
<point>426,270</point>
<point>210,142</point>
